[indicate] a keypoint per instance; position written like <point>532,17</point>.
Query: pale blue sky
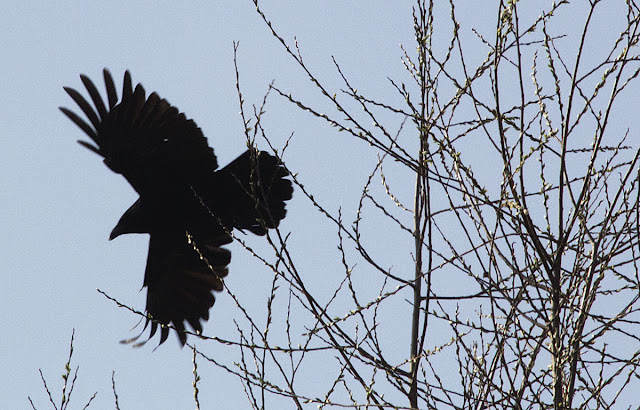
<point>59,202</point>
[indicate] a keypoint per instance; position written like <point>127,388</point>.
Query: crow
<point>186,204</point>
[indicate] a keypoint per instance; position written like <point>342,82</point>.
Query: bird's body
<point>186,204</point>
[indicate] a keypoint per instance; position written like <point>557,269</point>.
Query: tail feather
<point>255,189</point>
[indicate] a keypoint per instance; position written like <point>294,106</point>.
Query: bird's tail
<point>251,192</point>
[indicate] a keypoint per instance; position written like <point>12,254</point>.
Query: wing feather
<point>181,278</point>
<point>95,97</point>
<point>151,143</point>
<point>110,86</point>
<point>84,106</point>
<point>79,122</point>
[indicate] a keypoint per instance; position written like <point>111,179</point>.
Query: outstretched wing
<point>180,277</point>
<point>146,140</point>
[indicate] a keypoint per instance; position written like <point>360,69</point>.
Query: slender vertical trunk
<point>418,234</point>
<point>421,209</point>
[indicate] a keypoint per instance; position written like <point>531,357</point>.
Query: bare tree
<point>524,285</point>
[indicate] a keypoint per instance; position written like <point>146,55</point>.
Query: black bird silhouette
<point>186,205</point>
